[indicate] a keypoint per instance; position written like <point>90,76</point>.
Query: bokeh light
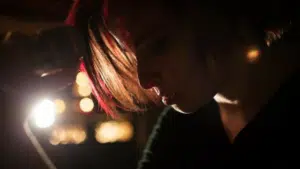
<point>68,135</point>
<point>86,105</point>
<point>44,114</point>
<point>60,106</point>
<point>253,55</point>
<point>84,91</point>
<point>125,131</point>
<point>82,79</point>
<point>113,131</point>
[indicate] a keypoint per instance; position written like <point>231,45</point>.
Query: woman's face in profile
<point>174,54</point>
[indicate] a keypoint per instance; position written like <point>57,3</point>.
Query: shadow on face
<point>176,51</point>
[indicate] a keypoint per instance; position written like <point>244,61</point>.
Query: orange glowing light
<point>253,55</point>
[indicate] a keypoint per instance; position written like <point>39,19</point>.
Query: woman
<point>189,52</point>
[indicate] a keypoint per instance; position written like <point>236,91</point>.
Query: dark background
<point>34,39</point>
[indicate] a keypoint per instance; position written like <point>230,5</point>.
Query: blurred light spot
<point>82,79</point>
<point>44,114</point>
<point>78,136</point>
<point>126,131</point>
<point>49,72</point>
<point>84,91</point>
<point>60,106</point>
<point>54,141</point>
<point>107,132</point>
<point>63,136</point>
<point>253,55</point>
<point>7,36</point>
<point>86,105</point>
<point>44,74</point>
<point>113,131</point>
<point>68,135</point>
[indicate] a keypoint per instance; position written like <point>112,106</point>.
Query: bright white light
<point>44,114</point>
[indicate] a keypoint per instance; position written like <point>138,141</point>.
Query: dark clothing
<point>199,140</point>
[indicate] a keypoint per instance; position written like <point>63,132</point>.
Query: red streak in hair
<point>71,19</point>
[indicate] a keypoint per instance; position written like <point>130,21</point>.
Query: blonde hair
<point>112,68</point>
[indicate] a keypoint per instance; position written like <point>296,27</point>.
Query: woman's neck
<point>251,89</point>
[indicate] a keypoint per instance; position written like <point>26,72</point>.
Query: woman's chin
<point>189,107</point>
<point>183,109</point>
